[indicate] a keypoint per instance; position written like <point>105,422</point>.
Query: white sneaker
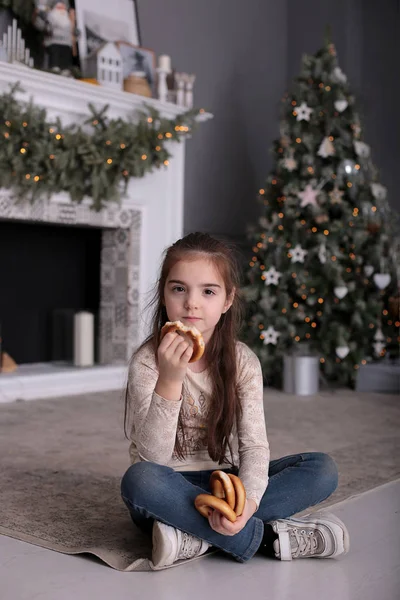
<point>170,545</point>
<point>318,535</point>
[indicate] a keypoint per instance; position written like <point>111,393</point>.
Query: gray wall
<point>245,55</point>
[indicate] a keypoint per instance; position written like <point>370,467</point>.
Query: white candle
<point>164,62</point>
<point>83,339</point>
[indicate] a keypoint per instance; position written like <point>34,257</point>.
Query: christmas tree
<point>322,273</point>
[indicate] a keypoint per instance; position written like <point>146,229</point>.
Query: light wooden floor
<point>370,571</point>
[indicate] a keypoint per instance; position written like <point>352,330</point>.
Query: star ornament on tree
<point>336,195</point>
<point>271,336</point>
<point>272,276</point>
<point>298,254</point>
<point>303,112</point>
<point>308,196</point>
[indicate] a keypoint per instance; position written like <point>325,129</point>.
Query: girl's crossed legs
<point>156,492</point>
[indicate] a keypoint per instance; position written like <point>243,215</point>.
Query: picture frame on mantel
<point>106,21</point>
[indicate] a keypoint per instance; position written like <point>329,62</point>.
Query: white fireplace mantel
<point>158,199</point>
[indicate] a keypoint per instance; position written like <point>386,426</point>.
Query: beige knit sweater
<point>155,420</point>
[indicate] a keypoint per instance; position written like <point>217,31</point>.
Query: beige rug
<point>62,461</point>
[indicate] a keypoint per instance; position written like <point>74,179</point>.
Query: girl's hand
<point>222,525</point>
<point>174,353</point>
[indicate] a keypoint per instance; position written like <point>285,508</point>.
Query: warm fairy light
<point>288,245</point>
<point>122,146</point>
<point>373,209</point>
<point>312,290</point>
<point>261,326</point>
<point>298,140</point>
<point>333,258</point>
<point>125,173</point>
<point>295,304</point>
<point>262,267</point>
<point>280,227</point>
<point>51,130</point>
<point>303,222</point>
<point>397,324</point>
<point>321,85</point>
<point>58,136</point>
<point>385,312</point>
<point>168,135</point>
<point>149,120</point>
<point>95,122</point>
<point>371,325</point>
<point>303,286</point>
<point>320,300</point>
<point>8,123</point>
<point>254,258</point>
<point>308,335</point>
<point>261,337</point>
<point>108,142</point>
<point>348,270</point>
<point>364,362</point>
<point>349,184</point>
<point>261,192</point>
<point>259,245</point>
<point>294,113</point>
<point>158,148</point>
<point>271,239</point>
<point>314,229</point>
<point>252,264</point>
<point>328,88</point>
<point>326,231</point>
<point>284,311</point>
<point>262,236</point>
<point>294,275</point>
<point>304,297</point>
<point>313,324</point>
<point>333,175</point>
<point>310,170</point>
<point>6,135</point>
<point>52,157</point>
<point>307,319</point>
<point>144,156</point>
<point>319,313</point>
<point>357,167</point>
<point>273,182</point>
<point>160,136</point>
<point>281,215</point>
<point>36,178</point>
<point>289,255</point>
<point>166,163</point>
<point>294,102</point>
<point>109,161</point>
<point>22,150</point>
<point>297,338</point>
<point>331,138</point>
<point>356,366</point>
<point>322,360</point>
<point>27,176</point>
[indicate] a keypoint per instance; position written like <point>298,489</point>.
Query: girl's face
<point>195,294</point>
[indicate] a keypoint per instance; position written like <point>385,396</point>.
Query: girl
<point>191,419</point>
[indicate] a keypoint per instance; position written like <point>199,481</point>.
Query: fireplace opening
<point>48,272</point>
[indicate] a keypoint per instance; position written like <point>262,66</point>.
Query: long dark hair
<point>220,352</point>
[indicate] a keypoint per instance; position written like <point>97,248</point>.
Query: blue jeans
<point>296,482</point>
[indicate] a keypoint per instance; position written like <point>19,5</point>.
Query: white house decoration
<point>106,65</point>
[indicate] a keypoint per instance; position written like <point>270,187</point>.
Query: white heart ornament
<point>368,270</point>
<point>340,291</point>
<point>341,105</point>
<point>382,280</point>
<point>342,351</point>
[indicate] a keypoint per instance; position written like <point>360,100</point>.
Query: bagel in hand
<point>228,496</point>
<point>192,334</point>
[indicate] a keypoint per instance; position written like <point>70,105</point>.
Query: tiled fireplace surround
<point>134,235</point>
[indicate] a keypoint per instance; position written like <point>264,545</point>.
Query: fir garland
<point>39,157</point>
<point>23,9</point>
